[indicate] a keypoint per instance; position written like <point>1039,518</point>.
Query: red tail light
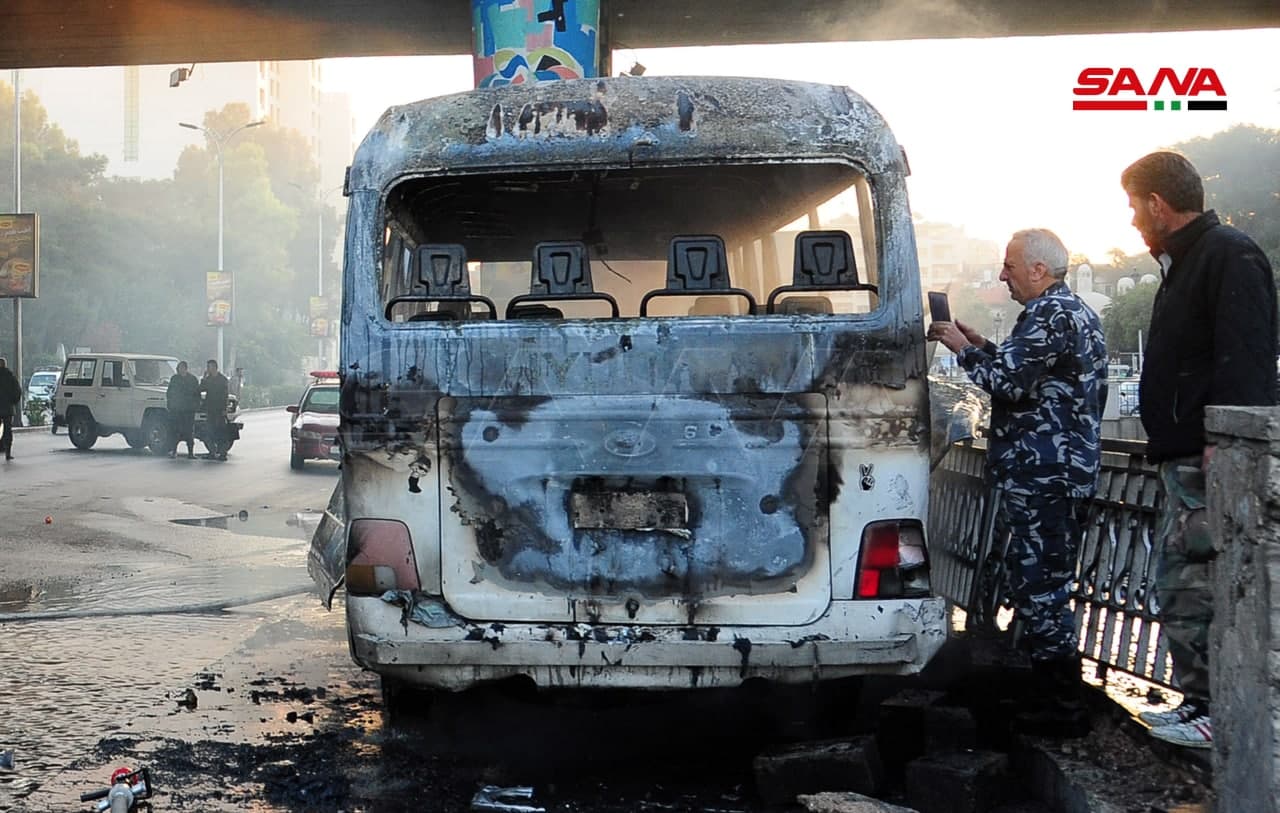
<point>894,562</point>
<point>380,558</point>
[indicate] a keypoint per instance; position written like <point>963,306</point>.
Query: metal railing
<point>1113,597</point>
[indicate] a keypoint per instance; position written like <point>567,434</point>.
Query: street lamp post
<point>17,208</point>
<point>219,140</point>
<point>320,201</point>
<point>320,271</point>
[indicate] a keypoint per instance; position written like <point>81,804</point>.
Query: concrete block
<point>900,729</point>
<point>810,767</point>
<point>1063,784</point>
<point>1253,423</point>
<point>949,728</point>
<point>958,782</point>
<point>847,802</point>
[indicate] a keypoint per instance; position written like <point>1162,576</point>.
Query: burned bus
<point>633,390</point>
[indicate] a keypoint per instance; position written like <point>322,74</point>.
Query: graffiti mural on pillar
<point>518,41</point>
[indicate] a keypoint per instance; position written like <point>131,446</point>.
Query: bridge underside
<point>40,33</point>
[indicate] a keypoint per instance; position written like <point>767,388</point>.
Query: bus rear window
<point>624,222</point>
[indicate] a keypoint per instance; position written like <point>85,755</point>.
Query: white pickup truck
<point>104,394</point>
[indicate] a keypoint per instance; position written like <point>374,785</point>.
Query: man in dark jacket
<point>183,397</point>
<point>1212,341</point>
<point>215,389</point>
<point>10,403</point>
<point>1047,383</point>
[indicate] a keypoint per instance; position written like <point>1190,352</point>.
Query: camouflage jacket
<point>1048,384</point>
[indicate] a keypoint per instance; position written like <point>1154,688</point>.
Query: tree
<point>1240,168</point>
<point>269,241</point>
<point>123,261</point>
<point>60,184</point>
<point>1127,314</point>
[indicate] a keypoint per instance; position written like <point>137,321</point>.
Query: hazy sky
<point>987,124</point>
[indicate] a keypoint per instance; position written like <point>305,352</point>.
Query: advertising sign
<point>20,255</point>
<point>319,317</point>
<point>217,297</point>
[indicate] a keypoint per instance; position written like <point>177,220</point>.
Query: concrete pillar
<point>519,41</point>
<point>1244,662</point>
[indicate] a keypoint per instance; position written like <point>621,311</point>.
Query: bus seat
<point>697,265</point>
<point>449,310</point>
<point>824,261</point>
<point>443,278</point>
<point>805,304</point>
<point>534,310</point>
<point>561,271</point>
<point>714,306</point>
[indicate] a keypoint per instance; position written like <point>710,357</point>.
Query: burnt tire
<point>82,429</point>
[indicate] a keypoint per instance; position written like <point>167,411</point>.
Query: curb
<point>44,428</point>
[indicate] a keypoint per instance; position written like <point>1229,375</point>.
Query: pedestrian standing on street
<point>1212,340</point>
<point>183,398</point>
<point>214,386</point>
<point>10,403</point>
<point>1047,383</point>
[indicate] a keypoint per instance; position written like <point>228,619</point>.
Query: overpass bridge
<point>41,33</point>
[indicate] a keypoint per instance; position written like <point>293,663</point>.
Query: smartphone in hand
<point>939,307</point>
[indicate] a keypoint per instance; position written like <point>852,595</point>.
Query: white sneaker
<point>1197,733</point>
<point>1188,711</point>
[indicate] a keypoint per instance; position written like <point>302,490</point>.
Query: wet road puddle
<point>193,585</point>
<point>149,590</point>
<point>261,522</point>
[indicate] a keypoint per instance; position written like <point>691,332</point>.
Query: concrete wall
<point>1244,511</point>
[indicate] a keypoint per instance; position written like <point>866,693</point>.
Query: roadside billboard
<point>319,317</point>
<point>217,296</point>
<point>20,255</point>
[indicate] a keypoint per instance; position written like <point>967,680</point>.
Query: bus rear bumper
<point>851,638</point>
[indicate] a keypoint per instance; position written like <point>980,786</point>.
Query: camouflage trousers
<point>1044,542</point>
<point>1183,588</point>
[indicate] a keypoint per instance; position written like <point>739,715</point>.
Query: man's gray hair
<point>1043,246</point>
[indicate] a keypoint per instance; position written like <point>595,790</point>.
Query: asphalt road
<point>160,618</point>
<point>131,635</point>
<point>112,504</point>
<point>147,570</point>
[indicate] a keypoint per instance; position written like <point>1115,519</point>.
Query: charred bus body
<point>633,389</point>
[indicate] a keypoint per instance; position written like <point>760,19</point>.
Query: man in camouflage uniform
<point>1212,341</point>
<point>1048,385</point>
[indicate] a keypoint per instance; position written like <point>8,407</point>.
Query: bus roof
<point>576,124</point>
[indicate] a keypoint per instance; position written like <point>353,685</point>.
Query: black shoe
<point>173,454</point>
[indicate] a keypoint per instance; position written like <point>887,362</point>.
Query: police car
<point>314,428</point>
